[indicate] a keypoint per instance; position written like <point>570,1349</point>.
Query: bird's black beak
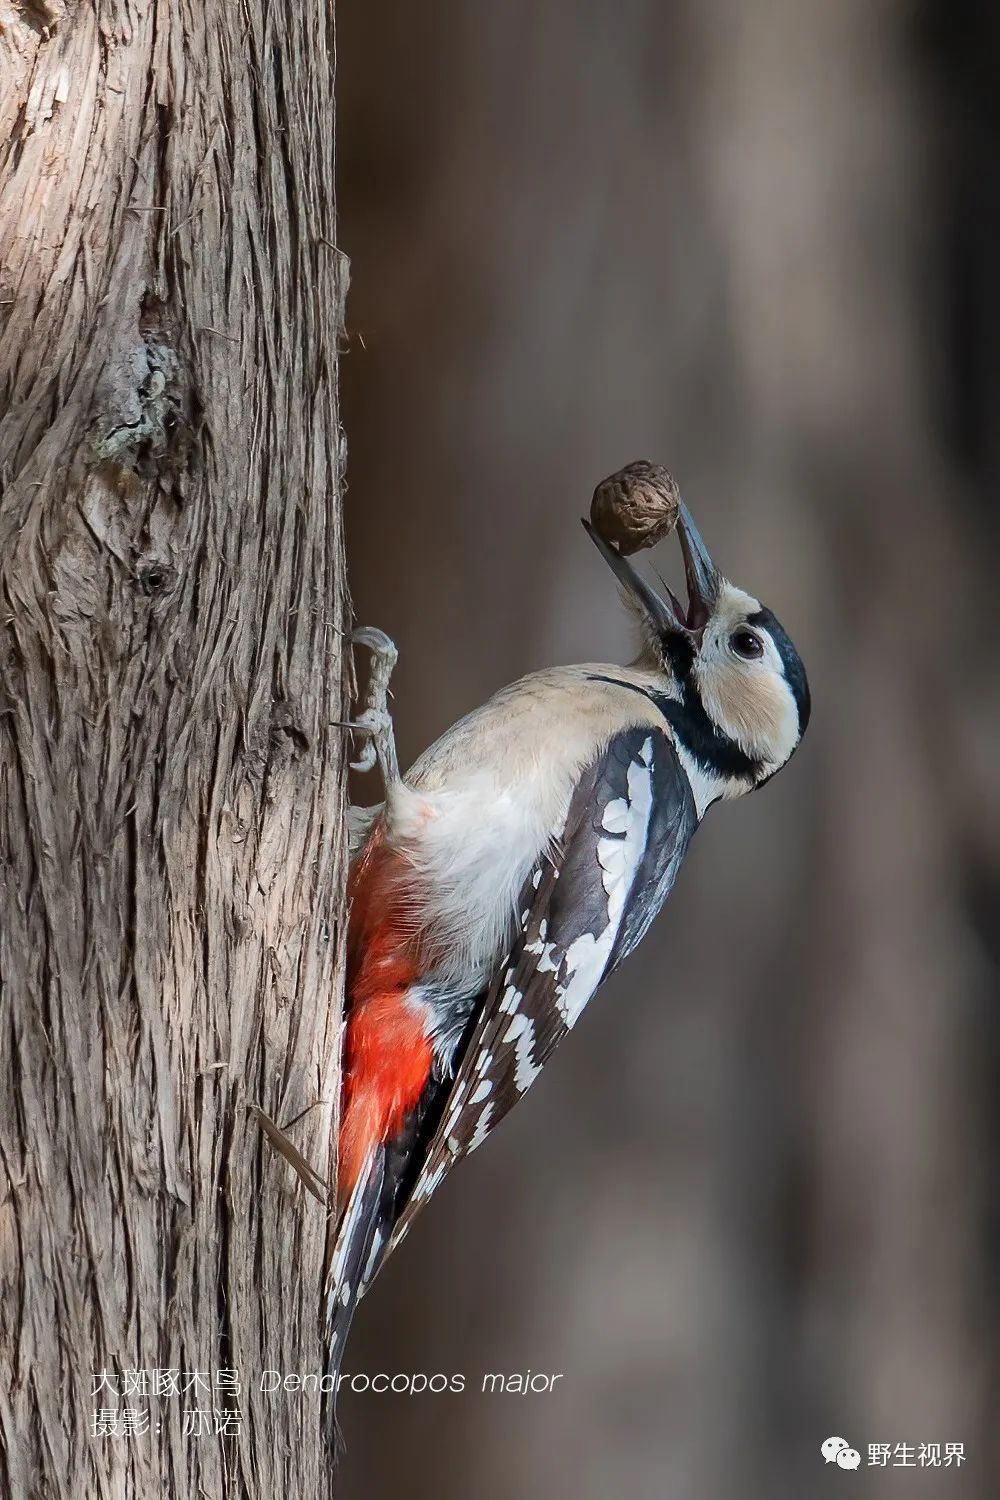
<point>661,614</point>
<point>703,578</point>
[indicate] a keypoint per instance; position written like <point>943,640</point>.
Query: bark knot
<point>144,401</point>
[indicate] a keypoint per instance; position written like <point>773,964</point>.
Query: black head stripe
<point>795,672</point>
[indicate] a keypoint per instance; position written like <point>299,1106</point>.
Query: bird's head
<point>740,699</point>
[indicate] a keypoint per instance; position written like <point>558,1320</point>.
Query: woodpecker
<point>515,866</point>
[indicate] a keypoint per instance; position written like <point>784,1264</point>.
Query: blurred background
<point>754,1201</point>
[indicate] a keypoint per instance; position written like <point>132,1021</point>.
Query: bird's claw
<point>378,643</point>
<point>375,720</point>
<point>377,725</point>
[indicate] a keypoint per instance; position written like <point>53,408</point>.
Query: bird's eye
<point>746,645</point>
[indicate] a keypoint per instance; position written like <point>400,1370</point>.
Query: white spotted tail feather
<point>357,1245</point>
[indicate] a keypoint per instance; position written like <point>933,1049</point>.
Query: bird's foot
<point>375,720</point>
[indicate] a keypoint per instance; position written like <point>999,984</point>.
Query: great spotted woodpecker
<point>516,865</point>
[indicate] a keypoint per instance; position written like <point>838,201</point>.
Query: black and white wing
<point>585,908</point>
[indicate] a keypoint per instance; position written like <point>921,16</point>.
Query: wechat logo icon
<point>837,1450</point>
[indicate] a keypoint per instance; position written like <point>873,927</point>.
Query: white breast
<point>477,810</point>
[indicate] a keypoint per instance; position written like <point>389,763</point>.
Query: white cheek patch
<point>755,709</point>
<point>750,704</point>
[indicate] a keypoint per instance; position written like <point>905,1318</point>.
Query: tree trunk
<point>172,602</point>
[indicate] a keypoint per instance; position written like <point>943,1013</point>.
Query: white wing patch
<point>543,952</point>
<point>482,1129</point>
<point>429,1180</point>
<point>620,858</point>
<point>615,818</point>
<point>521,1032</point>
<point>512,998</point>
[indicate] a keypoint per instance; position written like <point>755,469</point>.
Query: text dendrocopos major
<point>512,869</point>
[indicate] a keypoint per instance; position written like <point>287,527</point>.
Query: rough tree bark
<point>172,603</point>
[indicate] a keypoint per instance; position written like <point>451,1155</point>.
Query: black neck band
<point>714,751</point>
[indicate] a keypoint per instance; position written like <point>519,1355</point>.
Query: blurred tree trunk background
<point>754,1203</point>
<point>172,607</point>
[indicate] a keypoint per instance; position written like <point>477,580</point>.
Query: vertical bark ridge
<point>172,606</point>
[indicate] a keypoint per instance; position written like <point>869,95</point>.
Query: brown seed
<point>636,507</point>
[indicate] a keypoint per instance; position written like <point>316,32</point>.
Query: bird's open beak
<point>703,579</point>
